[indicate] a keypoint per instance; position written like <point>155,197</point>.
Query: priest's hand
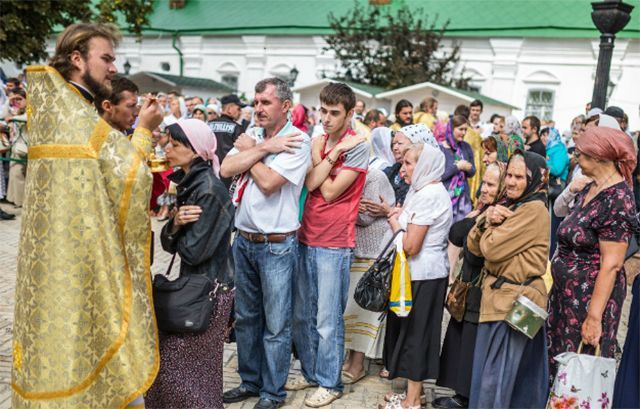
<point>150,115</point>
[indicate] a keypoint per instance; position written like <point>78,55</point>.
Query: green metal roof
<point>371,89</point>
<point>485,99</point>
<point>468,18</point>
<point>191,81</point>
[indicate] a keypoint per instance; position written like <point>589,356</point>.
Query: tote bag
<point>401,299</point>
<point>583,381</point>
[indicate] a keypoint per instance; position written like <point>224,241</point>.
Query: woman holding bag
<point>191,364</point>
<point>412,344</point>
<point>585,303</point>
<point>509,369</point>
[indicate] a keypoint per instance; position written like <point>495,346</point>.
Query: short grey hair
<point>282,88</point>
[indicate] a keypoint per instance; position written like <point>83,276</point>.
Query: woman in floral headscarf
<point>512,134</point>
<point>459,166</point>
<point>410,134</point>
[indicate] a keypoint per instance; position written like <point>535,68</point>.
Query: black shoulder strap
<point>386,248</point>
<point>171,264</point>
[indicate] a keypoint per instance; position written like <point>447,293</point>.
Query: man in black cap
<point>226,127</point>
<point>617,113</point>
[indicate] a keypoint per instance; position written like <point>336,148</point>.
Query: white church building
<point>527,56</point>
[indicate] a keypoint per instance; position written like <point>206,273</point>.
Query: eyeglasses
<point>577,154</point>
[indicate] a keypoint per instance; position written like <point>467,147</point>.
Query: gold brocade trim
<point>51,70</point>
<point>99,135</point>
<point>126,196</point>
<point>144,131</point>
<point>126,305</point>
<point>156,366</point>
<point>58,151</point>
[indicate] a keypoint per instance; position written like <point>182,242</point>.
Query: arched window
<point>229,74</point>
<point>540,103</point>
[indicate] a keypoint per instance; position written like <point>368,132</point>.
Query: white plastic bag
<point>583,381</point>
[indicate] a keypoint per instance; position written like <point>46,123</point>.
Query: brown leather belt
<point>266,238</point>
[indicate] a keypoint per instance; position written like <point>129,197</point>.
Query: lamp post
<point>609,17</point>
<point>293,75</point>
<point>127,67</point>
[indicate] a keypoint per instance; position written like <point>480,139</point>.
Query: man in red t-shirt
<point>327,238</point>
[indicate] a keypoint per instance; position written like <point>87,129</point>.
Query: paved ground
<point>366,394</point>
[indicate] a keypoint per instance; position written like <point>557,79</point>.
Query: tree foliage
<point>26,25</point>
<point>391,50</point>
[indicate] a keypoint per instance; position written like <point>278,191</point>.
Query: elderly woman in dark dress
<point>589,287</point>
<point>459,342</point>
<point>509,369</point>
<point>191,364</point>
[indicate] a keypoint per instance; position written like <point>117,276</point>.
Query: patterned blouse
<point>609,216</point>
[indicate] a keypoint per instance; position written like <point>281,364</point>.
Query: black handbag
<point>373,290</point>
<point>183,305</point>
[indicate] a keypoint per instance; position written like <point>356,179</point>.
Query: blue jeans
<point>263,308</point>
<point>320,298</point>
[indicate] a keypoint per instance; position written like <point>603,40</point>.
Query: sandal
<point>349,378</point>
<point>397,404</point>
<point>384,373</point>
<point>390,397</point>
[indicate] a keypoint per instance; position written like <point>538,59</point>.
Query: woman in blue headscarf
<point>558,163</point>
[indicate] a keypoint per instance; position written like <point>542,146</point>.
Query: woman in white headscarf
<point>200,232</point>
<point>382,156</point>
<point>411,134</point>
<point>412,344</point>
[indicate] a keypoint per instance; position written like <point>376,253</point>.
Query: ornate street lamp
<point>293,75</point>
<point>127,67</point>
<point>609,17</point>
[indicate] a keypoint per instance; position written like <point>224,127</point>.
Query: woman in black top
<point>456,358</point>
<point>200,232</point>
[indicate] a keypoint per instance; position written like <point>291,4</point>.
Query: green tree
<point>25,25</point>
<point>379,47</point>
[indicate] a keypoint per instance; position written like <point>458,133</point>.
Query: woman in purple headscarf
<point>459,166</point>
<point>191,364</point>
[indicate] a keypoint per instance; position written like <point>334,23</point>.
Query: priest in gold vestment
<point>84,331</point>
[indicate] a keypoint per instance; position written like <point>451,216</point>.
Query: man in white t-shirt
<point>271,165</point>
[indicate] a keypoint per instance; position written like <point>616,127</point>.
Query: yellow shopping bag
<point>401,298</point>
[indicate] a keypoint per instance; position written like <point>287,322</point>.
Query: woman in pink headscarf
<point>585,303</point>
<point>300,118</point>
<point>191,364</point>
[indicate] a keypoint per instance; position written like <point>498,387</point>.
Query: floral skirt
<point>191,365</point>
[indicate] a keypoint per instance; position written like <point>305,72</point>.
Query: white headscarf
<point>382,156</point>
<point>419,133</point>
<point>429,169</point>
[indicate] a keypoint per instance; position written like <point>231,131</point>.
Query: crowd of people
<point>284,208</point>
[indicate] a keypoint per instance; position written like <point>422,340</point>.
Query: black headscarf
<point>537,179</point>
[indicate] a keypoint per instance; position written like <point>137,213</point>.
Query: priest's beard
<point>99,91</point>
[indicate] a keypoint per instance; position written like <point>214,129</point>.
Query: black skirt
<point>412,344</point>
<point>456,360</point>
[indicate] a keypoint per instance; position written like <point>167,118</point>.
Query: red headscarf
<point>611,145</point>
<point>299,118</point>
